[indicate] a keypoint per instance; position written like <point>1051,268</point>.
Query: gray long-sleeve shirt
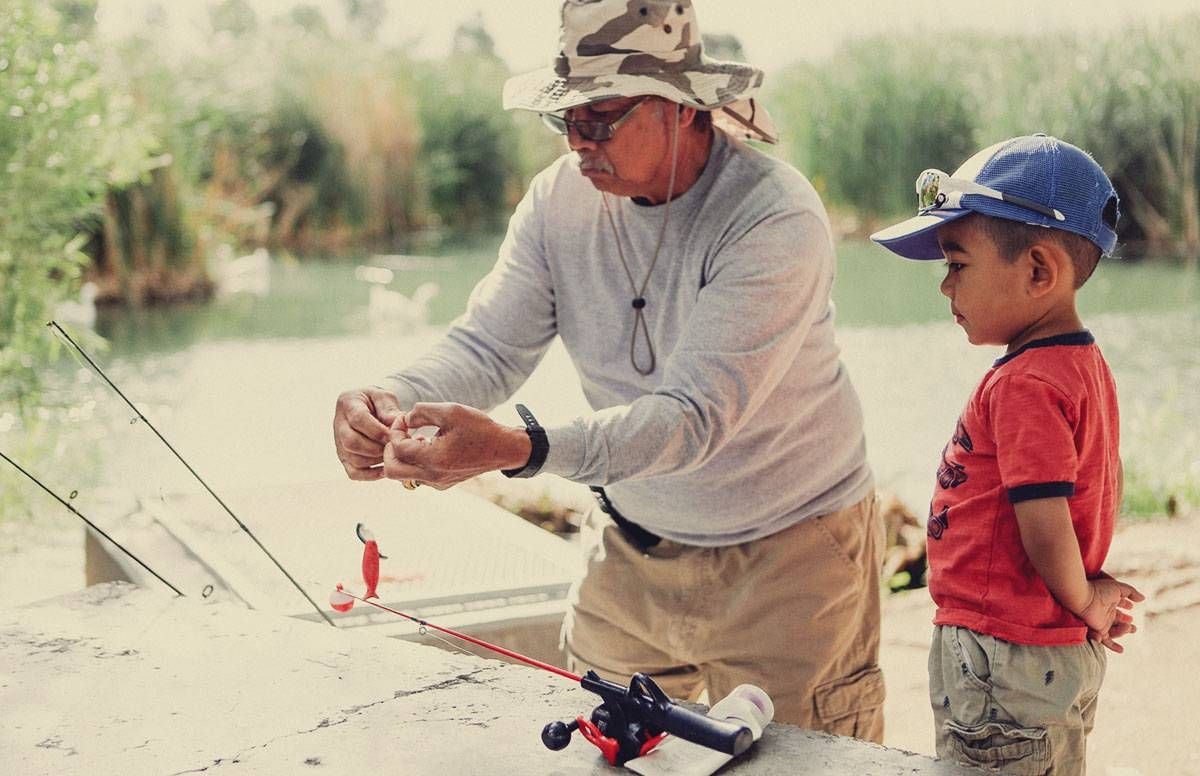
<point>749,422</point>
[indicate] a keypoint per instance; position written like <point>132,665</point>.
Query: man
<point>688,277</point>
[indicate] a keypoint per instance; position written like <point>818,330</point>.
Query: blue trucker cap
<point>1038,168</point>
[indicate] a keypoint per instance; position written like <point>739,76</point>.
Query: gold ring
<point>411,484</point>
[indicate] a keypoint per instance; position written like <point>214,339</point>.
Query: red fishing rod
<point>629,722</point>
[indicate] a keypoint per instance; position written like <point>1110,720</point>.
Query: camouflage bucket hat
<point>628,48</point>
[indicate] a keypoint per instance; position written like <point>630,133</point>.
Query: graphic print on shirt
<point>961,437</point>
<point>938,523</point>
<point>949,475</point>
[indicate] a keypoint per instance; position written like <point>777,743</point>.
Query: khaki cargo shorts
<point>796,613</point>
<point>1014,708</point>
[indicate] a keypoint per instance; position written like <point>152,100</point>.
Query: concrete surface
<point>117,679</point>
<point>452,557</point>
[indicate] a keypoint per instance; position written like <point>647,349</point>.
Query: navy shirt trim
<point>1074,338</point>
<point>1041,490</point>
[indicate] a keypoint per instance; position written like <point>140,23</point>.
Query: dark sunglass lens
<point>596,131</point>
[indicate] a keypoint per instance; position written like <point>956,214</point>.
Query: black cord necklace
<point>639,291</point>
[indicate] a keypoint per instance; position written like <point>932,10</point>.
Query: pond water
<point>244,386</point>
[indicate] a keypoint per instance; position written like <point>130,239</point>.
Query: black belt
<point>638,535</point>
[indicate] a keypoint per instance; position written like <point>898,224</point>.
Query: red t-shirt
<point>1042,423</point>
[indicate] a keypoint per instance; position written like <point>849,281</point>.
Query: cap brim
<point>916,238</point>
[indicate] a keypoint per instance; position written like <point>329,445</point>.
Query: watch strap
<point>539,446</point>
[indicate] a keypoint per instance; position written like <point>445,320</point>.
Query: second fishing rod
<point>60,332</point>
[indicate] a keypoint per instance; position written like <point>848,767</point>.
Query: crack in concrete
<point>57,743</point>
<point>468,677</point>
<point>215,763</point>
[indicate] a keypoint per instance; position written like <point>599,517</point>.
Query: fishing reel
<point>632,721</point>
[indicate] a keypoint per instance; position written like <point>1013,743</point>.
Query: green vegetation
<point>67,138</point>
<point>865,123</point>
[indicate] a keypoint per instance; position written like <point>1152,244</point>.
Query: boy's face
<point>986,292</point>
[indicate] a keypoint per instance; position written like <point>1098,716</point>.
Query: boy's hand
<point>1103,616</point>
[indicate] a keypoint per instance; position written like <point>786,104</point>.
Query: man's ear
<point>1047,267</point>
<point>687,114</point>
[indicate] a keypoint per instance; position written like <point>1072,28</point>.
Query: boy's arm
<point>1049,540</point>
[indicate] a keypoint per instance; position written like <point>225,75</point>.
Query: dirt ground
<point>1146,725</point>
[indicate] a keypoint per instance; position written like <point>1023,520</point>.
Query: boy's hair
<point>1013,237</point>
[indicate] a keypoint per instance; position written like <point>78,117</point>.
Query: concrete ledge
<point>120,679</point>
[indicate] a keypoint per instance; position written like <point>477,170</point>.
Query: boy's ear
<point>1047,267</point>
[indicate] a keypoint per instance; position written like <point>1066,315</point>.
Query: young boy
<point>1030,482</point>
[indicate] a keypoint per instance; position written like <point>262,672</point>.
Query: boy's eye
<point>953,266</point>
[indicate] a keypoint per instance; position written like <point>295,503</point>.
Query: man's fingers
<point>428,414</point>
<point>407,450</point>
<point>361,420</point>
<point>398,466</point>
<point>361,461</point>
<point>348,440</point>
<point>363,474</point>
<point>385,405</point>
<point>1114,646</point>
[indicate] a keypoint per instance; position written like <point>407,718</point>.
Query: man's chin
<point>600,179</point>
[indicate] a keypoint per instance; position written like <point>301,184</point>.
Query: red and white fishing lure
<point>341,601</point>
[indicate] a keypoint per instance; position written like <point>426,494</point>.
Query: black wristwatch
<point>539,446</point>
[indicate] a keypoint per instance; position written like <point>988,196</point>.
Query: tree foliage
<point>68,137</point>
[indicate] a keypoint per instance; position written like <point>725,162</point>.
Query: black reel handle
<point>709,732</point>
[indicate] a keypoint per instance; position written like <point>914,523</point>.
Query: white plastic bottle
<point>747,704</point>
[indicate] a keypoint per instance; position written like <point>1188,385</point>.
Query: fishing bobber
<point>339,601</point>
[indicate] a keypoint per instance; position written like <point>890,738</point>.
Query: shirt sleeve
<point>1033,423</point>
<point>509,324</point>
<point>767,287</point>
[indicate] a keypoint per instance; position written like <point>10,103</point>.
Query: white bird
<point>250,274</point>
<point>392,310</point>
<point>79,313</point>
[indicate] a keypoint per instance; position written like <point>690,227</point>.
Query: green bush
<point>470,149</point>
<point>66,138</point>
<point>864,123</point>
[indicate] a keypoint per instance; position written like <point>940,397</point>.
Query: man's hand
<point>467,443</point>
<point>1104,616</point>
<point>361,423</point>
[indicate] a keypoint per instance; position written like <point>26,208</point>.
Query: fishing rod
<point>59,330</point>
<point>628,723</point>
<point>90,524</point>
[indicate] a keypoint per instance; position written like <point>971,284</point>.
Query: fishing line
<point>469,639</point>
<point>63,334</point>
<point>90,524</point>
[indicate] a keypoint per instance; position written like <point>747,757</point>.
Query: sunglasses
<point>595,131</point>
<point>937,190</point>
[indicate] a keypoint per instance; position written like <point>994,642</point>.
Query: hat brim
<point>916,238</point>
<point>544,91</point>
